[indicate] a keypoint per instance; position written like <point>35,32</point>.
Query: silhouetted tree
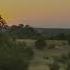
<point>27,26</point>
<point>21,26</point>
<point>2,22</point>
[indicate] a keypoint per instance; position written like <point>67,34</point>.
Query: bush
<point>14,56</point>
<point>69,41</point>
<point>68,66</point>
<point>54,66</point>
<point>40,43</point>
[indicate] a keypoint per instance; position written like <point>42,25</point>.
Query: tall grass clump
<point>14,56</point>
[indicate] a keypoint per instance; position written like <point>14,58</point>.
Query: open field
<point>39,61</point>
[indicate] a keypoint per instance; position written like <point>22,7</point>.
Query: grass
<point>39,61</point>
<point>42,58</point>
<point>14,56</point>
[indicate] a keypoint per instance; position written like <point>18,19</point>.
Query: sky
<point>37,13</point>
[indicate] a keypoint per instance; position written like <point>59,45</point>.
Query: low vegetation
<point>40,44</point>
<point>18,55</point>
<point>14,56</point>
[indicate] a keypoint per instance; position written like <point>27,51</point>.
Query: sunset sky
<point>37,13</point>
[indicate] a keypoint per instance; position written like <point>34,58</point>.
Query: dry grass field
<point>39,61</point>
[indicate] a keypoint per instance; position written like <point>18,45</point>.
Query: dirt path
<point>38,63</point>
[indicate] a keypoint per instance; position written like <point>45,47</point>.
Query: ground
<point>40,60</point>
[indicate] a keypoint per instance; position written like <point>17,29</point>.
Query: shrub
<point>14,56</point>
<point>54,66</point>
<point>40,43</point>
<point>68,66</point>
<point>69,41</point>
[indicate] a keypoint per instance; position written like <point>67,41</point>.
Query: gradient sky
<point>37,13</point>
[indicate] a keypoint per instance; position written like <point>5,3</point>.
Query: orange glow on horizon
<point>34,11</point>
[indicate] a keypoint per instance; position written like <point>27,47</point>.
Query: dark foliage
<point>40,44</point>
<point>13,56</point>
<point>54,66</point>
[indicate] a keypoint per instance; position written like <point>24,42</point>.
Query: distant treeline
<point>27,32</point>
<point>22,31</point>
